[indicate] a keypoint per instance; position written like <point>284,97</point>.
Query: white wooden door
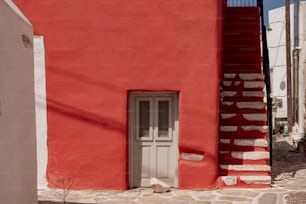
<point>153,138</point>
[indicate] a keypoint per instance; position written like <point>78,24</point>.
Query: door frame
<point>131,121</point>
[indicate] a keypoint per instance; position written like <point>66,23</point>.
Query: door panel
<point>153,140</point>
<point>162,162</point>
<point>145,161</point>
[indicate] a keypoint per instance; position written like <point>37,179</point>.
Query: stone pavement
<point>288,187</point>
<point>277,195</point>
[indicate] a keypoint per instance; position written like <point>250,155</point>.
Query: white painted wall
<point>302,73</point>
<point>41,112</point>
<point>18,182</point>
<point>277,51</point>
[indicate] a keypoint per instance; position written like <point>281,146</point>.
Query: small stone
<point>159,186</point>
<point>229,180</point>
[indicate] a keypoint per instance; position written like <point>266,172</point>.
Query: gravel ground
<point>285,159</point>
<point>296,198</point>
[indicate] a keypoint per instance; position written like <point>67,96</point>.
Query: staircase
<point>243,145</point>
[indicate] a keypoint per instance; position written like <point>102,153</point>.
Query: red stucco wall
<point>98,50</point>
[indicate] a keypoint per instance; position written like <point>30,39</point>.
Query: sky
<point>271,4</point>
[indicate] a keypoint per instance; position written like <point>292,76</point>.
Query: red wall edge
<point>98,50</point>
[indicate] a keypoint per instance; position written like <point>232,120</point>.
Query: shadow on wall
<point>85,79</point>
<point>84,116</point>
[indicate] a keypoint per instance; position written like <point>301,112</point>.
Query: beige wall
<point>17,108</point>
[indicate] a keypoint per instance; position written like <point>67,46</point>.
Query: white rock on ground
<point>159,186</point>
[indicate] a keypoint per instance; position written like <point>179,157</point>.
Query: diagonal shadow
<point>85,116</point>
<point>85,79</point>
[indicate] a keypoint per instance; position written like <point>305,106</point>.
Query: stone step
<point>243,144</point>
<point>244,170</point>
<point>245,181</point>
<point>243,76</point>
<point>256,179</point>
<point>243,132</point>
<point>242,107</point>
<point>232,119</point>
<point>243,119</point>
<point>244,157</point>
<point>242,96</point>
<point>228,85</point>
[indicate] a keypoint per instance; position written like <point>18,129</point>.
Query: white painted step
<point>234,167</point>
<point>245,105</point>
<point>246,84</point>
<point>242,93</point>
<point>256,179</point>
<point>233,180</point>
<point>251,142</point>
<point>246,116</point>
<point>251,155</point>
<point>263,129</point>
<point>245,76</point>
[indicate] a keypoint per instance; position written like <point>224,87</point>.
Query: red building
<point>133,92</point>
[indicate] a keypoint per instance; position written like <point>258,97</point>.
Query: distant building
<point>277,52</point>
